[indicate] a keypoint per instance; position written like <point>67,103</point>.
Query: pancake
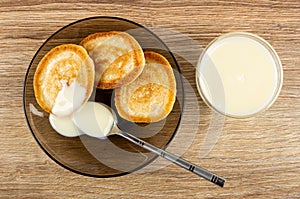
<point>150,97</point>
<point>118,58</point>
<point>64,79</point>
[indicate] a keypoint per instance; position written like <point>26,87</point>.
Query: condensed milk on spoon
<point>239,74</point>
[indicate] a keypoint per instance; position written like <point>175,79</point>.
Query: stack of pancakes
<point>144,82</point>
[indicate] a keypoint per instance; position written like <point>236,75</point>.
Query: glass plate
<point>89,156</point>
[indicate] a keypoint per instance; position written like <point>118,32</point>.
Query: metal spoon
<point>171,157</point>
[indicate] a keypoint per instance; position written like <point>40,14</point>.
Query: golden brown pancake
<point>63,66</point>
<point>150,97</point>
<point>118,58</point>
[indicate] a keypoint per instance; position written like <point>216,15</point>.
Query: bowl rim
<point>123,172</point>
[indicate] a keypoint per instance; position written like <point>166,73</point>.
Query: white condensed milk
<point>64,126</point>
<point>239,74</point>
<point>69,99</point>
<point>93,119</point>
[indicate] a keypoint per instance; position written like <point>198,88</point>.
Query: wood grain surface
<point>259,156</point>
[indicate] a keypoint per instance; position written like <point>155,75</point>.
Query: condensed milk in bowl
<point>239,74</point>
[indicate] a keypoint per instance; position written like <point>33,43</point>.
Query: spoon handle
<point>175,159</point>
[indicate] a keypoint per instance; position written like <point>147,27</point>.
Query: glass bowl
<point>225,80</point>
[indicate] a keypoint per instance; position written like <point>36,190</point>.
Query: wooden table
<point>259,156</point>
